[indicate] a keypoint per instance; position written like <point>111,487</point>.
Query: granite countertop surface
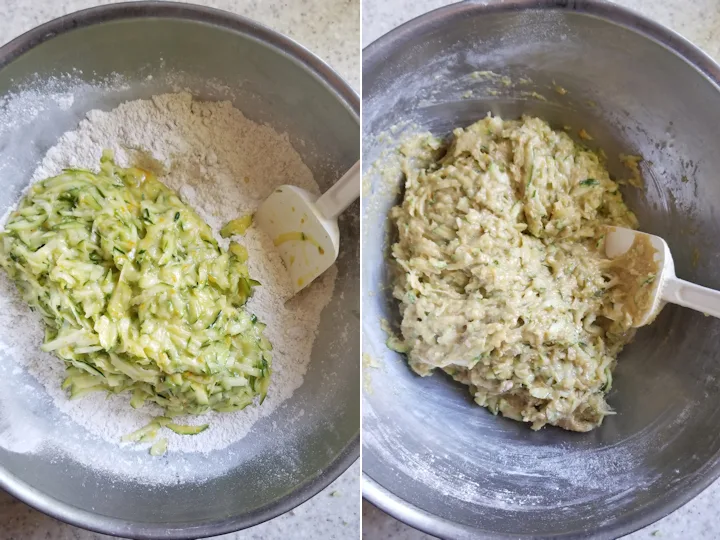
<point>698,21</point>
<point>330,29</point>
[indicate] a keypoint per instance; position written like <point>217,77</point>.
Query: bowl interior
<point>152,50</point>
<point>434,458</point>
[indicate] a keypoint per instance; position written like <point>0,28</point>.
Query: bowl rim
<point>375,53</point>
<point>345,94</point>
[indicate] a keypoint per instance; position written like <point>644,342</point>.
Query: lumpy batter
<point>502,278</point>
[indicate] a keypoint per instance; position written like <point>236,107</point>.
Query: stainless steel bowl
<point>432,458</point>
<point>158,47</point>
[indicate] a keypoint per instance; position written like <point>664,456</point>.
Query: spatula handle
<point>341,195</point>
<point>693,296</point>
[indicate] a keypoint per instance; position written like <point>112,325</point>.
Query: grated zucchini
<point>159,448</point>
<point>237,227</point>
<point>136,294</point>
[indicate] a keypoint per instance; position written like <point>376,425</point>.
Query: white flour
<point>223,165</point>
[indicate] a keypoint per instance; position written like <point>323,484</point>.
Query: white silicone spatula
<point>304,226</point>
<point>666,286</point>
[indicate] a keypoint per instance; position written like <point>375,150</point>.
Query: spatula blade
<point>307,242</point>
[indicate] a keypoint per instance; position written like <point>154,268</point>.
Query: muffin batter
<point>502,278</point>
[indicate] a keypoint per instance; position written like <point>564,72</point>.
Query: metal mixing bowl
<point>430,456</point>
<point>152,48</point>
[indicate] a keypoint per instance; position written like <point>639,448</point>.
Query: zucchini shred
<point>136,294</point>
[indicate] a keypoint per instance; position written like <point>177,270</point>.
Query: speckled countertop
<point>330,29</point>
<point>698,21</point>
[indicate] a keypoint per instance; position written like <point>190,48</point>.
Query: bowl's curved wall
<point>161,47</point>
<point>432,457</point>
